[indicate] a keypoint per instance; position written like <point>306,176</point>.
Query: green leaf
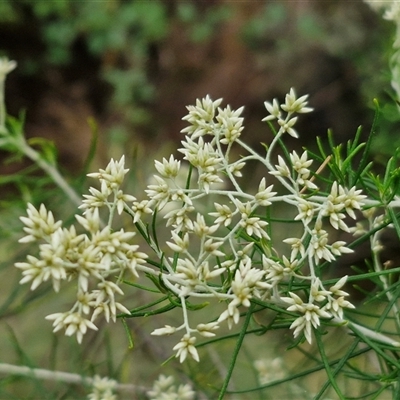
<point>48,150</point>
<point>131,343</point>
<point>329,372</point>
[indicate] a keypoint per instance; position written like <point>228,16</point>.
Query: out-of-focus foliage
<point>140,62</point>
<point>121,35</point>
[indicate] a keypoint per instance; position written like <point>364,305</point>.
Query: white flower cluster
<point>226,252</point>
<point>93,258</point>
<point>164,388</point>
<point>103,389</point>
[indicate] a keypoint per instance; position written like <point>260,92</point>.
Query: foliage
<point>221,267</point>
<point>213,249</point>
<point>121,37</point>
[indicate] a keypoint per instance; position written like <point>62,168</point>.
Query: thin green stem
<point>325,360</point>
<point>52,172</point>
<point>339,366</point>
<point>44,374</point>
<point>298,375</point>
<point>131,344</point>
<point>236,352</point>
<point>2,106</point>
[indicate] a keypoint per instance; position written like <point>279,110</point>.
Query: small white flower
<point>162,385</point>
<point>206,179</point>
<point>252,225</point>
<point>39,224</point>
<point>231,124</point>
<point>336,306</point>
<point>281,169</point>
<point>200,228</point>
<point>273,109</point>
<point>310,318</point>
<point>295,105</point>
<point>317,293</point>
<point>264,194</point>
<point>353,201</point>
<point>201,155</point>
<point>338,248</point>
<point>91,220</point>
<point>102,389</point>
<point>319,248</point>
<point>37,271</point>
<point>335,218</point>
<point>179,219</point>
<point>231,314</point>
<point>306,211</point>
<point>224,214</point>
<point>185,392</point>
<point>159,193</point>
<point>300,164</point>
<point>241,290</point>
<point>112,177</point>
<point>287,126</point>
<point>180,244</point>
<point>276,272</point>
<point>297,247</point>
<point>187,271</point>
<point>206,330</point>
<point>205,274</point>
<point>165,389</point>
<point>95,199</point>
<point>336,288</point>
<point>236,168</point>
<point>167,330</point>
<point>201,117</point>
<point>179,195</point>
<point>211,246</point>
<point>186,347</point>
<point>120,200</point>
<point>134,258</point>
<point>72,322</point>
<point>168,168</point>
<point>140,208</point>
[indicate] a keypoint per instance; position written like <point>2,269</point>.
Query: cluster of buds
<point>222,245</point>
<point>93,258</point>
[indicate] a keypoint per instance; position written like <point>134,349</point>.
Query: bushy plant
<point>237,262</point>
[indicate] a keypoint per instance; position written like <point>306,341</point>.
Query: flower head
<point>186,347</point>
<point>164,388</point>
<point>39,224</point>
<point>294,104</point>
<point>311,314</point>
<point>112,177</point>
<point>72,322</point>
<point>102,389</point>
<point>273,109</point>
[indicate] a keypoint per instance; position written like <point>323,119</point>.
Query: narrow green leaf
<point>131,343</point>
<point>331,376</point>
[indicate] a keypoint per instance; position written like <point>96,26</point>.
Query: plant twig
<point>67,377</point>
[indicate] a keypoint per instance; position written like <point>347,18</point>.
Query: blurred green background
<point>135,65</point>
